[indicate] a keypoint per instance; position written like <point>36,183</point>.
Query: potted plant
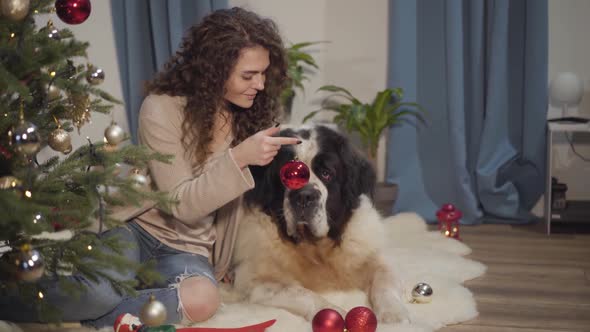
<point>369,120</point>
<point>296,58</point>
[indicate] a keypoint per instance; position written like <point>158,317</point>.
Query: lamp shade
<point>566,88</point>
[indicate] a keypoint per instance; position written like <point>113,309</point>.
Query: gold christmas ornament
<point>139,180</point>
<point>14,10</point>
<point>60,140</point>
<point>153,313</point>
<point>53,92</point>
<point>9,182</point>
<point>78,111</point>
<point>24,138</point>
<point>422,293</point>
<point>114,134</point>
<point>52,32</point>
<point>94,75</point>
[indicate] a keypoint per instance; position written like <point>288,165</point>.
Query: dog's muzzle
<point>304,203</point>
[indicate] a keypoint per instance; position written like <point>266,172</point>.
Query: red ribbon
<point>252,328</point>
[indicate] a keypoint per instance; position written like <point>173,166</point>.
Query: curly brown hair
<point>203,63</point>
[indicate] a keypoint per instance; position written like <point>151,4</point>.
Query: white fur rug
<point>421,256</point>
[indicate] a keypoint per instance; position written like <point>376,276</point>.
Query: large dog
<point>327,236</point>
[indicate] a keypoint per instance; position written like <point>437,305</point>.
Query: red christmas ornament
<point>73,11</point>
<point>5,152</point>
<point>361,319</point>
<point>448,221</point>
<point>327,320</point>
<point>294,174</point>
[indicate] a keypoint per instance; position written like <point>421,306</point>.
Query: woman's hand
<point>260,148</point>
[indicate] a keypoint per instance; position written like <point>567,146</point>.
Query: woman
<point>213,108</point>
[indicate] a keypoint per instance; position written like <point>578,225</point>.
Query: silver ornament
<point>422,293</point>
<point>94,75</point>
<point>52,31</point>
<point>139,180</point>
<point>153,313</point>
<point>60,140</point>
<point>26,263</point>
<point>114,134</point>
<point>25,139</point>
<point>14,10</point>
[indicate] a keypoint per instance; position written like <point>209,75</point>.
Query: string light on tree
<point>9,182</point>
<point>73,11</point>
<point>37,218</point>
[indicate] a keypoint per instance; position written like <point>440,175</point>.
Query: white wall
<point>569,50</point>
<point>355,58</point>
<point>355,55</point>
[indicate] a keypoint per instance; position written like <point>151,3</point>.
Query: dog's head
<point>339,176</point>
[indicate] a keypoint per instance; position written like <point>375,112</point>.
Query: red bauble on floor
<point>361,319</point>
<point>327,320</point>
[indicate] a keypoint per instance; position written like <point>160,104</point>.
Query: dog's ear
<point>267,183</point>
<point>360,174</point>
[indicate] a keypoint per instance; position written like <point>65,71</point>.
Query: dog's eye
<point>325,175</point>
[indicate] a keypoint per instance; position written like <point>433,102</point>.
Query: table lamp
<point>566,90</point>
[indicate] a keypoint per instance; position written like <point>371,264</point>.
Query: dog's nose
<point>306,197</point>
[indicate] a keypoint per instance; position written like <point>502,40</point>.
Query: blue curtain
<point>147,33</point>
<point>479,68</point>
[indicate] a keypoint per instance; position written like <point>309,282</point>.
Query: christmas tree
<point>48,87</point>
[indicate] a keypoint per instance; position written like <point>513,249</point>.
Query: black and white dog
<point>294,245</point>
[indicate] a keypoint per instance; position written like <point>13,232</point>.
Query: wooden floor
<point>534,282</point>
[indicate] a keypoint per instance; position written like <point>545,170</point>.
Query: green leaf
<point>310,115</point>
<point>334,88</point>
<point>305,44</point>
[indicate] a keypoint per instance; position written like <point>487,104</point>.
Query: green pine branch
<point>43,77</point>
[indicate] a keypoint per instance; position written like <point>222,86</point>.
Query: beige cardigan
<point>206,219</point>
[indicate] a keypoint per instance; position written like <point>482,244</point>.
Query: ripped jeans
<point>100,304</point>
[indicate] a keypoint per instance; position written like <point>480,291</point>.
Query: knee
<point>199,298</point>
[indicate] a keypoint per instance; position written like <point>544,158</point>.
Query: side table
<point>552,129</point>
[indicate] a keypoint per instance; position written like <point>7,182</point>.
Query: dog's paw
<point>394,313</point>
